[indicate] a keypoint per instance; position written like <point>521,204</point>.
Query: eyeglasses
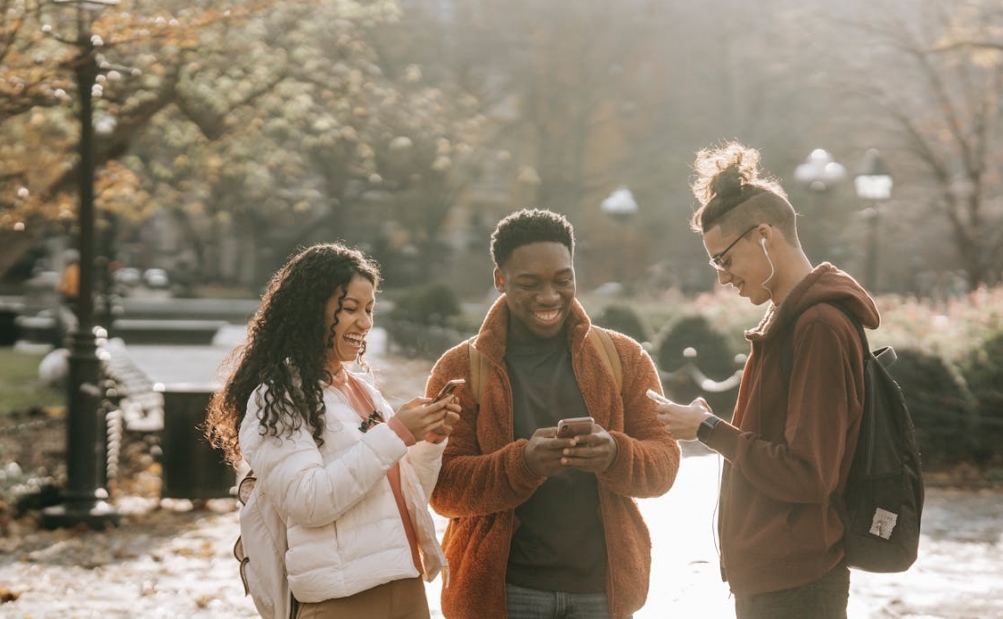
<point>716,260</point>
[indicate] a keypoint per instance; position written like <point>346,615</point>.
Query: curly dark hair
<point>729,176</point>
<point>530,226</point>
<point>286,348</point>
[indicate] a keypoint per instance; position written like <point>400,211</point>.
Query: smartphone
<point>574,426</point>
<point>448,389</point>
<point>657,397</point>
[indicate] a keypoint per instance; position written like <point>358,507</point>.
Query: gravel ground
<point>168,560</point>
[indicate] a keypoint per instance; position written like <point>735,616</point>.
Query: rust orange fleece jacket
<point>790,444</point>
<point>484,476</point>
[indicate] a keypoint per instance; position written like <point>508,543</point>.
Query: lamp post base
<point>95,514</point>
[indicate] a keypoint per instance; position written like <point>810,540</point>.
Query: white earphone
<point>773,270</point>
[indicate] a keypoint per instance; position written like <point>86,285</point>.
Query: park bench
<point>165,420</point>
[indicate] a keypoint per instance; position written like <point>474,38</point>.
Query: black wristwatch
<point>706,427</point>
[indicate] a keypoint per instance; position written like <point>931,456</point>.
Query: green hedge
<point>983,371</point>
<point>941,405</point>
<point>625,319</point>
<point>431,304</point>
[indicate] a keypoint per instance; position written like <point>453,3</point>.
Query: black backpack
<point>883,502</point>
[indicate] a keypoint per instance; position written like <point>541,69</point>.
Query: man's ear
<point>499,280</point>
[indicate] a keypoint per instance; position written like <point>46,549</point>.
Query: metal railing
<point>690,371</point>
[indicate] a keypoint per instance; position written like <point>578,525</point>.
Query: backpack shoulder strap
<point>479,367</point>
<point>787,358</point>
<point>607,352</point>
<point>856,323</point>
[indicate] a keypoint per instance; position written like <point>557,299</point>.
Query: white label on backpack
<point>883,523</point>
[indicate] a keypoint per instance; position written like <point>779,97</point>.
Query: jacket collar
<point>492,337</point>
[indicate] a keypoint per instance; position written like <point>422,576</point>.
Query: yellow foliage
<point>38,132</point>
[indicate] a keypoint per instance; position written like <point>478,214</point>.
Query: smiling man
<point>791,440</point>
<point>544,527</point>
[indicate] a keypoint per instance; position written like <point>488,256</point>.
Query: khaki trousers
<point>398,599</point>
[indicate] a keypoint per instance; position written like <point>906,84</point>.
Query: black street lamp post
<point>83,500</point>
<point>874,184</point>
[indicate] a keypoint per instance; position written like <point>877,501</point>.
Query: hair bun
<point>728,181</point>
<point>724,172</point>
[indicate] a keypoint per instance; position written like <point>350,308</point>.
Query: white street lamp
<point>873,183</point>
<point>820,171</point>
<point>620,206</point>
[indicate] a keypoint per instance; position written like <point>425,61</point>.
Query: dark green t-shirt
<point>559,544</point>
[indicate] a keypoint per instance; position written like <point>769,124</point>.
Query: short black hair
<point>530,226</point>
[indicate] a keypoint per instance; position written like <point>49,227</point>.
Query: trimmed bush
<point>431,304</point>
<point>983,371</point>
<point>714,358</point>
<point>941,406</point>
<point>420,325</point>
<point>624,319</point>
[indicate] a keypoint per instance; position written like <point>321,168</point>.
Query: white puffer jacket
<point>343,527</point>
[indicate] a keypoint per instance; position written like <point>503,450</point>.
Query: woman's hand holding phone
<point>448,391</point>
<point>427,419</point>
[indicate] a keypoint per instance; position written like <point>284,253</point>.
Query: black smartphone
<point>448,389</point>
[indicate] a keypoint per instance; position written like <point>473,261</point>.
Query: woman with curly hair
<point>337,523</point>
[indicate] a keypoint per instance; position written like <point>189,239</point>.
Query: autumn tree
<point>140,52</point>
<point>331,139</point>
<point>246,127</point>
<point>934,73</point>
<point>590,95</point>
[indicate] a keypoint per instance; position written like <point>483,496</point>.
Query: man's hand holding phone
<point>657,398</point>
<point>681,420</point>
<point>592,449</point>
<point>574,426</point>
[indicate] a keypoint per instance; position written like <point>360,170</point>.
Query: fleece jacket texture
<point>789,446</point>
<point>484,476</point>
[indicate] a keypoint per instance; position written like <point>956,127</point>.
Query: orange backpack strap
<point>479,368</point>
<point>607,352</point>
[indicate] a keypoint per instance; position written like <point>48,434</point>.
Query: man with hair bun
<point>791,440</point>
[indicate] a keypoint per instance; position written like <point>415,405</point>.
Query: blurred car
<point>128,277</point>
<point>156,278</point>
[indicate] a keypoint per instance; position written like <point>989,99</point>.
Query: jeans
<point>526,603</point>
<point>825,598</point>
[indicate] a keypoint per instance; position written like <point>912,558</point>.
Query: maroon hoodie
<point>790,446</point>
